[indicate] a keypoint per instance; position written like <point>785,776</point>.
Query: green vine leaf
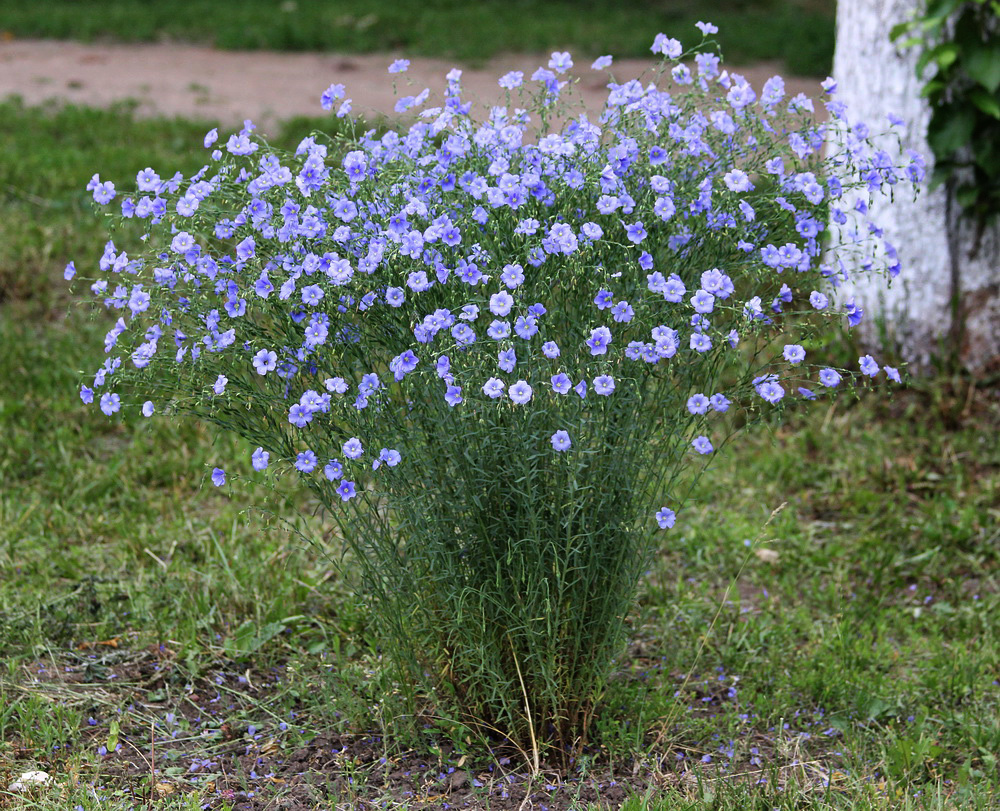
<point>950,129</point>
<point>944,55</point>
<point>985,102</point>
<point>961,40</point>
<point>983,66</point>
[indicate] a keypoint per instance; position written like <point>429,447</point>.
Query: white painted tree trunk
<point>947,297</point>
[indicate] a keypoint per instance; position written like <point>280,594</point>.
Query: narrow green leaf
<point>898,30</point>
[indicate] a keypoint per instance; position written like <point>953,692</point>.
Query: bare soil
<point>182,738</point>
<point>230,86</point>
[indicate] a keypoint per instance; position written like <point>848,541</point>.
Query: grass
<point>163,646</point>
<point>798,32</point>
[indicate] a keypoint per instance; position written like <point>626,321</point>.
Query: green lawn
<point>848,657</point>
<point>798,32</point>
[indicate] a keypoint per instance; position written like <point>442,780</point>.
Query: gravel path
<point>229,86</point>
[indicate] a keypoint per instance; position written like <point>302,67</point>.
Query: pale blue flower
<point>702,444</point>
<point>519,392</point>
<point>259,459</point>
<point>561,441</point>
<point>829,378</point>
<point>666,518</point>
<point>868,365</point>
<point>604,385</point>
<point>794,354</point>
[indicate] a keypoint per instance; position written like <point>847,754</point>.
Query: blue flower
<point>493,388</point>
<point>352,448</point>
<point>330,95</point>
<point>265,361</point>
<point>604,299</point>
<point>794,354</point>
<point>737,180</point>
<point>306,462</point>
<point>769,389</point>
<point>390,456</point>
<point>526,326</point>
<point>635,232</point>
<point>599,340</point>
<point>719,402</point>
<point>507,360</point>
<point>346,490</point>
<point>500,303</point>
<point>110,403</point>
<point>604,385</point>
<point>259,459</point>
<point>818,300</point>
<point>868,365</point>
<point>622,312</point>
<point>698,404</point>
<point>299,415</point>
<point>669,47</point>
<point>703,302</point>
<point>702,444</point>
<point>511,80</point>
<point>519,392</point>
<point>560,61</point>
<point>561,441</point>
<point>829,377</point>
<point>666,518</point>
<point>218,477</point>
<point>700,342</point>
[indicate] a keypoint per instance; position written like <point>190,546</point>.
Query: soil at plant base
<point>181,737</point>
<point>231,86</point>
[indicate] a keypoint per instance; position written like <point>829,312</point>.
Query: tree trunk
<point>945,303</point>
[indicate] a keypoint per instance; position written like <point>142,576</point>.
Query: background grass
<point>797,32</point>
<point>847,658</point>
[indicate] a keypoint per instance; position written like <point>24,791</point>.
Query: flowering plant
<point>495,348</point>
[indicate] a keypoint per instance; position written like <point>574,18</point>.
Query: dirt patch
<point>230,86</point>
<point>195,739</point>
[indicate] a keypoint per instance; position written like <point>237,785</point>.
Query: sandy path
<point>229,86</point>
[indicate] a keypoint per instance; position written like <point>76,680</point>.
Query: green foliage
<point>961,43</point>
